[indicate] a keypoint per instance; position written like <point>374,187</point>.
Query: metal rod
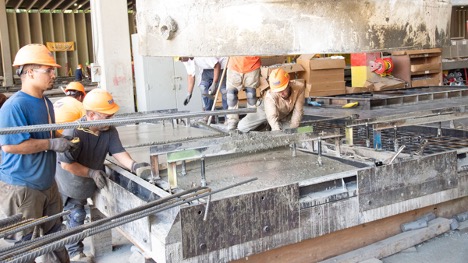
<point>10,220</point>
<point>34,223</point>
<point>44,240</point>
<point>117,121</point>
<point>367,136</point>
<point>203,176</point>
<point>293,146</point>
<point>184,168</point>
<point>26,257</point>
<point>319,151</point>
<point>207,207</point>
<point>395,139</point>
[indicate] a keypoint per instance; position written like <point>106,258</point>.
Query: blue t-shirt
<point>36,170</point>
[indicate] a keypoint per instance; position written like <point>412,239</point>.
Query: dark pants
<point>74,219</point>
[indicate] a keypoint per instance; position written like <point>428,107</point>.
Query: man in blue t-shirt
<point>27,171</point>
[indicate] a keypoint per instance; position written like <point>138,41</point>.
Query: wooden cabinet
<point>419,68</point>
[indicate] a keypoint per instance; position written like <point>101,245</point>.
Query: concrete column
<point>111,44</point>
<point>5,47</point>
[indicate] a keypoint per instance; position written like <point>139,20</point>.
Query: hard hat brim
<point>279,89</point>
<point>110,111</point>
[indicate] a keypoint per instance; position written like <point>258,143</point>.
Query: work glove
<point>99,177</point>
<point>61,144</point>
<point>142,170</point>
<point>187,99</point>
<point>213,88</point>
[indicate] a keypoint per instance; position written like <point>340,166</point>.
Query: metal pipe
<point>184,168</point>
<point>395,139</point>
<point>117,121</point>
<point>367,136</point>
<point>26,257</point>
<point>293,146</point>
<point>203,176</point>
<point>319,151</point>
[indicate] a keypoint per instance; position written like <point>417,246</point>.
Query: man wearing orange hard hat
<point>27,171</point>
<point>81,172</point>
<point>70,108</point>
<point>282,106</point>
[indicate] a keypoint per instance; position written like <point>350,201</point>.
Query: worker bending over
<point>242,73</point>
<point>80,172</point>
<point>27,170</point>
<point>282,106</point>
<point>211,74</point>
<point>70,108</point>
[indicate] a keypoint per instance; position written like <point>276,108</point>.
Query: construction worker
<point>243,72</point>
<point>80,172</point>
<point>282,105</point>
<point>70,108</point>
<point>211,73</point>
<point>79,73</point>
<point>27,171</point>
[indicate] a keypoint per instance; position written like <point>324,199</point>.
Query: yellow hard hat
<point>99,100</point>
<point>176,58</point>
<point>68,109</point>
<point>279,80</point>
<point>35,54</point>
<point>75,85</point>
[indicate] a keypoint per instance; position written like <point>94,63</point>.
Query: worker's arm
<point>31,146</point>
<point>27,147</point>
<point>124,159</point>
<point>272,114</point>
<point>75,168</point>
<point>190,83</point>
<point>216,71</point>
<point>298,110</point>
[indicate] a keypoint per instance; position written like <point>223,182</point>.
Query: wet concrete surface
<point>273,168</point>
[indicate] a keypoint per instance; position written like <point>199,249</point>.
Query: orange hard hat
<point>279,80</point>
<point>74,85</point>
<point>68,109</point>
<point>101,101</point>
<point>35,54</point>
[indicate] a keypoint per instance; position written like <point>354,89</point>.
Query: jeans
<point>74,219</point>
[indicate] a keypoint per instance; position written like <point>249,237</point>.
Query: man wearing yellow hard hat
<point>282,106</point>
<point>81,172</point>
<point>27,170</point>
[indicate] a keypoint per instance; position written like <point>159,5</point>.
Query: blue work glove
<point>187,99</point>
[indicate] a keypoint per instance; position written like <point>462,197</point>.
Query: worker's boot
<point>82,258</point>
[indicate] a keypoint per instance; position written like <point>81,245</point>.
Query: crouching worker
<point>282,106</point>
<point>80,172</point>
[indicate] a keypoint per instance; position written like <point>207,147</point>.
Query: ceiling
<point>54,5</point>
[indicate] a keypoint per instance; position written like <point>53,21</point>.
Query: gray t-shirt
<point>91,152</point>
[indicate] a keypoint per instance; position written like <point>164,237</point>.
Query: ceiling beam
<point>19,4</point>
<point>82,4</point>
<point>32,4</point>
<point>57,5</point>
<point>44,5</point>
<point>71,3</point>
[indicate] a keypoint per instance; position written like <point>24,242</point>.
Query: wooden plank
<point>395,243</point>
<point>323,247</point>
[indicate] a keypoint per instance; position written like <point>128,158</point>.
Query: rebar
<point>26,257</point>
<point>10,220</point>
<point>34,223</point>
<point>117,121</point>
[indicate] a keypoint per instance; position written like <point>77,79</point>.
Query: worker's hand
<point>136,165</point>
<point>187,99</point>
<point>213,88</point>
<point>61,145</point>
<point>99,177</point>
